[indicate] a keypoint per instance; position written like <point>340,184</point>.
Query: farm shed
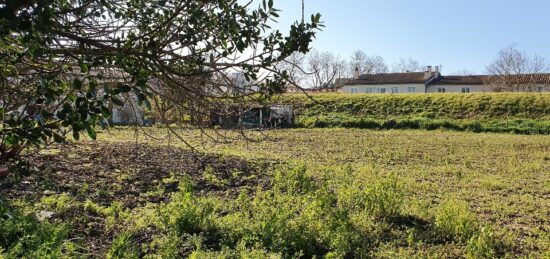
<point>268,116</point>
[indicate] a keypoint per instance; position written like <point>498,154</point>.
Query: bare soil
<point>124,172</point>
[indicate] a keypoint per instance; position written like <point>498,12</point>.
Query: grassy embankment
<point>328,192</point>
<point>520,113</point>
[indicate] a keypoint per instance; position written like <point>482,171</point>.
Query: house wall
<point>129,114</point>
<point>542,88</point>
<point>458,88</point>
<point>401,88</point>
<point>420,88</point>
<point>538,88</point>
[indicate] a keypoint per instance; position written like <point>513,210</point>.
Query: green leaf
<point>57,138</point>
<point>103,123</point>
<point>76,135</point>
<point>105,112</point>
<point>77,84</point>
<point>91,132</point>
<point>83,67</point>
<point>117,102</point>
<point>123,88</point>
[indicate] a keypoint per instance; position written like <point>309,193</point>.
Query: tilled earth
<point>124,172</point>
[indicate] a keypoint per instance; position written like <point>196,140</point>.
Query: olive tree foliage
<point>63,63</point>
<point>514,70</point>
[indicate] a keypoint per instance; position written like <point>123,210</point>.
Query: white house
<point>387,83</point>
<point>458,84</point>
<point>430,81</point>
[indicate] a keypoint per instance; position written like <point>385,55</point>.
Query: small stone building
<point>129,114</point>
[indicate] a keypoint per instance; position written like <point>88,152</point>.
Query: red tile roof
<point>521,79</point>
<point>460,80</point>
<point>389,78</point>
<point>420,78</point>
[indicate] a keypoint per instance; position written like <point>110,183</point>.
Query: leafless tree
<point>324,68</point>
<point>343,73</point>
<point>367,64</point>
<point>462,72</point>
<point>294,65</point>
<point>514,70</point>
<point>407,65</point>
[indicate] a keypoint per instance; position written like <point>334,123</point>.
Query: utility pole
<point>302,11</point>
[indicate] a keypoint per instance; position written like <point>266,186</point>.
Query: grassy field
<point>298,192</point>
<point>520,113</point>
<point>449,105</point>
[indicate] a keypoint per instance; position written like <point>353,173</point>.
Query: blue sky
<point>457,34</point>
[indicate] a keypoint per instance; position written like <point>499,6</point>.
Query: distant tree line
<point>325,70</point>
<point>516,71</point>
<point>512,70</point>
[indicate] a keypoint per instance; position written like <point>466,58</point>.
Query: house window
<point>465,89</point>
<point>411,89</point>
<point>368,90</point>
<point>540,88</point>
<point>354,90</point>
<point>382,90</point>
<point>440,90</point>
<point>394,90</point>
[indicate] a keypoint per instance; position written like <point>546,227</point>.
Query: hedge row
<point>436,106</point>
<point>516,126</point>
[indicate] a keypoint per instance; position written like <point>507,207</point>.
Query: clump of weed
<point>113,210</point>
<point>59,203</point>
<point>210,177</point>
<point>482,244</point>
<point>454,221</point>
<point>295,181</point>
<point>24,236</point>
<point>112,213</point>
<point>123,246</point>
<point>240,252</point>
<point>379,198</point>
<point>185,214</point>
<point>165,246</point>
<point>384,198</point>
